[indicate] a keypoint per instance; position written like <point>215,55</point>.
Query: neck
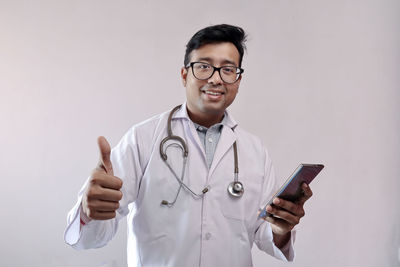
<point>206,120</point>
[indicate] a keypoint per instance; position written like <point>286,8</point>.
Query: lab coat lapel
<point>225,142</point>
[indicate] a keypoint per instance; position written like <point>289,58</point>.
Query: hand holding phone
<point>291,189</point>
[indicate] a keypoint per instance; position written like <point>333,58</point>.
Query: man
<point>174,190</point>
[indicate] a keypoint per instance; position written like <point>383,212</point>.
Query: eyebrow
<point>224,62</point>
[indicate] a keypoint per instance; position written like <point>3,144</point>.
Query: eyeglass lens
<point>204,71</point>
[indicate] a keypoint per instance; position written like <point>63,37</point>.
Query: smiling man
<point>177,176</point>
<point>210,90</point>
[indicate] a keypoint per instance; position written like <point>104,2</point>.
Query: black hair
<point>217,34</point>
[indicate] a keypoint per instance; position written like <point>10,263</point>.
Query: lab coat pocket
<point>239,216</point>
<point>242,208</point>
<point>156,251</point>
<point>238,242</point>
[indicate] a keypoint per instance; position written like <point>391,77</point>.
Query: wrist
<point>83,217</point>
<point>281,240</point>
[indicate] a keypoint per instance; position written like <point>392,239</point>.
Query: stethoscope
<point>235,188</point>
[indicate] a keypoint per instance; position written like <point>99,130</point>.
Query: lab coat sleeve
<point>127,165</point>
<point>263,235</point>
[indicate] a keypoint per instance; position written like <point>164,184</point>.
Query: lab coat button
<point>208,236</point>
<point>210,140</point>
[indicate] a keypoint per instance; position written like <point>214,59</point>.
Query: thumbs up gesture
<point>102,196</point>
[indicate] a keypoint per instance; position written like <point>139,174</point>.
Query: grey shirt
<point>209,138</point>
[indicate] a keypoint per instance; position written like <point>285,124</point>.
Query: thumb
<point>105,150</point>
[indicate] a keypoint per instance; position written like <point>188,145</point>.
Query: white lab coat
<point>217,230</point>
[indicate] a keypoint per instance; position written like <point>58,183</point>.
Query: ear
<point>184,73</point>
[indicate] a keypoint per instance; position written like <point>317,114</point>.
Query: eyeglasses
<point>204,71</point>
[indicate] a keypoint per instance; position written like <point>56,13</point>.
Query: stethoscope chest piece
<point>236,189</point>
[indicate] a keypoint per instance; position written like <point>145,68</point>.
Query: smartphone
<point>291,189</point>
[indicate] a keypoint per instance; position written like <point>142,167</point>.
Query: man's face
<point>210,98</point>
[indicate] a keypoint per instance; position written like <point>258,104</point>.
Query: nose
<point>215,78</point>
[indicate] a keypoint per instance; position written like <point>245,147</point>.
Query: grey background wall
<point>321,85</point>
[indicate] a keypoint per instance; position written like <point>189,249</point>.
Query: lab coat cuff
<point>72,233</point>
<point>265,241</point>
<point>288,249</point>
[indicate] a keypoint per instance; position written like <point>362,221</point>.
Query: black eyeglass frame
<point>239,71</point>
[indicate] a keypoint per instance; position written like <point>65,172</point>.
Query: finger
<point>100,215</point>
<point>104,194</point>
<point>105,151</point>
<point>284,215</point>
<point>110,195</point>
<point>294,208</point>
<point>307,193</point>
<point>101,205</point>
<point>106,180</point>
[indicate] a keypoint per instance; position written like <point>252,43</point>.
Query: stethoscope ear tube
<point>173,137</point>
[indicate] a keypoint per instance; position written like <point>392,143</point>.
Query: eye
<point>229,70</point>
<point>203,66</point>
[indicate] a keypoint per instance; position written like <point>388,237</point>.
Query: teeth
<point>212,93</point>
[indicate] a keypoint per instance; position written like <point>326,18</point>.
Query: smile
<point>213,93</point>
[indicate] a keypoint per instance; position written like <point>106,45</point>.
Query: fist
<point>102,195</point>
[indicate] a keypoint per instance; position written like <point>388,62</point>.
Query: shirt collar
<point>226,121</point>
